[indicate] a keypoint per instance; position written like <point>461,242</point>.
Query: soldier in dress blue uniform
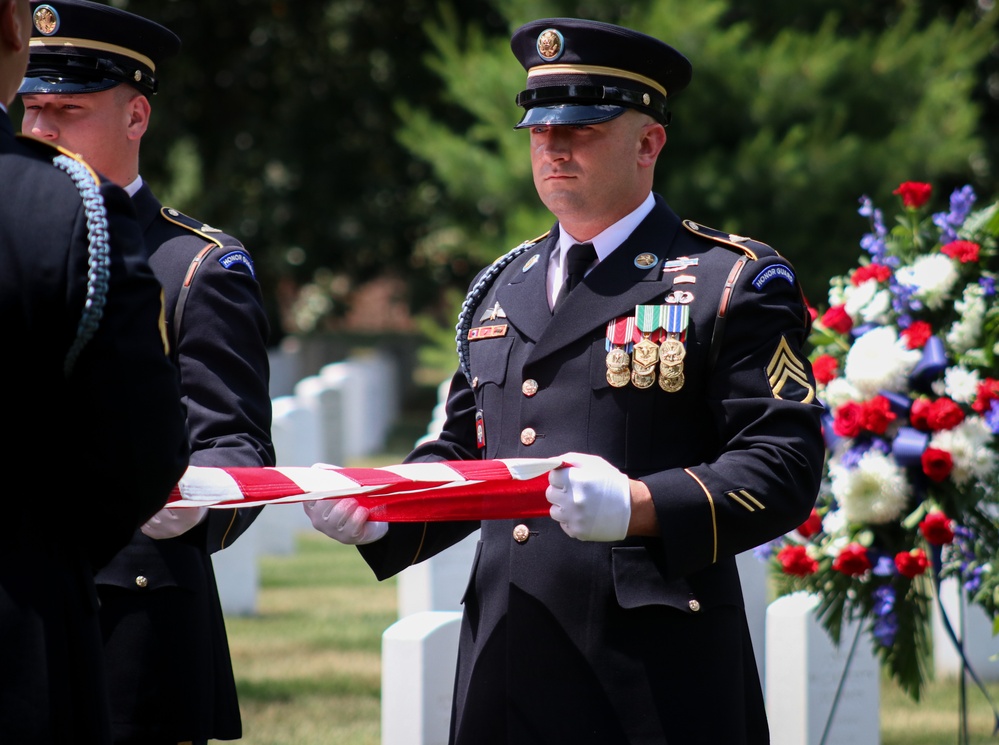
<point>662,360</point>
<point>91,74</point>
<point>92,403</point>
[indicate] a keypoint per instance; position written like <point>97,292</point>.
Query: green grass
<point>308,665</point>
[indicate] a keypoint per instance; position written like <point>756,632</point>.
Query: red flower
<point>937,528</point>
<point>937,464</point>
<point>838,320</point>
<point>919,412</point>
<point>914,193</point>
<point>811,526</point>
<point>877,415</point>
<point>795,560</point>
<point>988,391</point>
<point>943,414</point>
<point>848,421</point>
<point>877,272</point>
<point>825,367</point>
<point>917,334</point>
<point>852,560</point>
<point>964,251</point>
<point>911,563</point>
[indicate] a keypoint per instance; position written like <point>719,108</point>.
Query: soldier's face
<point>92,125</point>
<point>590,176</point>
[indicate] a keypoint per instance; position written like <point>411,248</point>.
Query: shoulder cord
<point>98,261</point>
<point>472,300</point>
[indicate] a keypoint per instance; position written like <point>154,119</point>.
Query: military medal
<point>648,319</point>
<point>619,333</point>
<point>672,351</point>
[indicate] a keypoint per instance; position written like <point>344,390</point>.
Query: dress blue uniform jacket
<point>644,640</point>
<point>88,457</point>
<point>168,657</point>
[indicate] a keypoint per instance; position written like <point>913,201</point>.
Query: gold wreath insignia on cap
<point>46,20</point>
<point>550,45</point>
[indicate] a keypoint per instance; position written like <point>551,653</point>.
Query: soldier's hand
<point>344,520</point>
<point>591,499</point>
<point>170,523</point>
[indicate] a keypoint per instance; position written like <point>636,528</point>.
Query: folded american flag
<point>411,492</point>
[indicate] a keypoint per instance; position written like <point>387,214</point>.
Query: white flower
<point>875,491</point>
<point>839,391</point>
<point>967,329</point>
<point>961,384</point>
<point>931,277</point>
<point>866,303</point>
<point>878,360</point>
<point>969,445</point>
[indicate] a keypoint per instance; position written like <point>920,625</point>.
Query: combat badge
<point>787,375</point>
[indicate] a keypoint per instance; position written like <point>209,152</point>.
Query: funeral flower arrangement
<point>905,357</point>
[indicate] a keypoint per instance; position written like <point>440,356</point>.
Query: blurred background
<point>365,153</point>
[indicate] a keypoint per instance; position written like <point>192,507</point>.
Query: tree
<point>784,126</point>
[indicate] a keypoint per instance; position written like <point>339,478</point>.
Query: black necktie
<point>577,260</point>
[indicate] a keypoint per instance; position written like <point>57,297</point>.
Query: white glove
<point>170,523</point>
<point>590,499</point>
<point>344,520</point>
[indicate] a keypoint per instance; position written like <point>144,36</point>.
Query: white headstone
<point>418,667</point>
<point>972,627</point>
<point>755,594</point>
<point>326,402</point>
<point>804,670</point>
<point>439,582</point>
<point>236,575</point>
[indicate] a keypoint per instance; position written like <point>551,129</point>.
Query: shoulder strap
<point>185,288</point>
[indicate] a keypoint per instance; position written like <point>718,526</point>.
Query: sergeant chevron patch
<point>787,376</point>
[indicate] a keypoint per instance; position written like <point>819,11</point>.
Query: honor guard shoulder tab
<point>751,248</point>
<point>210,234</point>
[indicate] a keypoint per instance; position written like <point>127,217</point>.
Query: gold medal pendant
<point>672,351</point>
<point>646,352</point>
<point>672,384</point>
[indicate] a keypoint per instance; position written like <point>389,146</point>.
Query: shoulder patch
<point>189,223</point>
<point>234,258</point>
<point>748,246</point>
<point>51,150</point>
<point>777,271</point>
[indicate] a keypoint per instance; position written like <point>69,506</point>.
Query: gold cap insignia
<point>46,20</point>
<point>550,45</point>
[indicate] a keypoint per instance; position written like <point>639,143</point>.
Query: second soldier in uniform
<point>168,659</point>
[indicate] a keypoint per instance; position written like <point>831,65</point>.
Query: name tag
<point>487,332</point>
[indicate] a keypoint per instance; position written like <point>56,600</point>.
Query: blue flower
<point>885,629</point>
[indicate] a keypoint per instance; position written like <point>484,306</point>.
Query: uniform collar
<point>610,238</point>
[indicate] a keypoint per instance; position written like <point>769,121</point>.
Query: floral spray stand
<point>905,357</point>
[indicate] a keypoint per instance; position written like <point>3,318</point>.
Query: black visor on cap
<point>569,113</point>
<point>63,84</point>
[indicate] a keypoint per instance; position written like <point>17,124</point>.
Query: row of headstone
<point>343,412</point>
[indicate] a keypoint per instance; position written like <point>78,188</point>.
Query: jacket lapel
<point>525,297</point>
<point>615,286</point>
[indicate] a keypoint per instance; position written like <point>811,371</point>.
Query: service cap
<point>587,72</point>
<point>84,47</point>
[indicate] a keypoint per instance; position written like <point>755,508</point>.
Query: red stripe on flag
<point>481,470</point>
<point>263,483</point>
<point>373,476</point>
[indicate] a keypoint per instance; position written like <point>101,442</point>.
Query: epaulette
<point>195,226</point>
<point>748,246</point>
<point>51,150</point>
<point>523,247</point>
